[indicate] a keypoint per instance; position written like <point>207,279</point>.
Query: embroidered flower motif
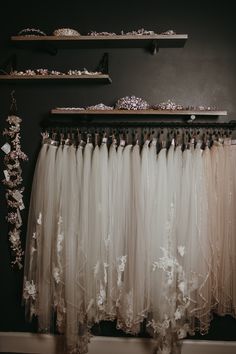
<point>56,275</point>
<point>159,327</point>
<point>129,304</point>
<point>177,314</point>
<point>101,297</point>
<point>60,238</point>
<point>167,264</point>
<point>121,268</point>
<point>39,220</point>
<point>33,249</point>
<point>182,287</point>
<point>122,260</point>
<point>96,269</point>
<point>177,291</point>
<point>14,120</point>
<point>105,266</point>
<point>14,236</point>
<point>60,310</point>
<point>181,250</point>
<point>29,290</point>
<point>12,218</point>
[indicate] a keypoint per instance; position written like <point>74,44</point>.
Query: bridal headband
<point>65,32</point>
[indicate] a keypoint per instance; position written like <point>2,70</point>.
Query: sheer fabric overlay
<point>131,233</point>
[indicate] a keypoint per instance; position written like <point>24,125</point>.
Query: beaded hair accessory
<point>43,72</point>
<point>65,32</point>
<point>169,105</point>
<point>31,32</point>
<point>100,106</point>
<point>131,103</point>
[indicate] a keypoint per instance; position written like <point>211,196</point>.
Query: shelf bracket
<point>103,65</point>
<point>154,47</point>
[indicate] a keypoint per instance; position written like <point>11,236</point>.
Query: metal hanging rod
<point>86,124</point>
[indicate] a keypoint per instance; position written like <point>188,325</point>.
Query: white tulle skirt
<point>123,233</point>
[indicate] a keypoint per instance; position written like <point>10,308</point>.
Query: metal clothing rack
<point>137,124</point>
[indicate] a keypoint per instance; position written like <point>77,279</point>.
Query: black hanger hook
<point>13,107</point>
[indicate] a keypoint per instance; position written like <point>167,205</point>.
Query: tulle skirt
<point>123,233</point>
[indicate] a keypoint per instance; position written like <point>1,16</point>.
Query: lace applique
<point>130,303</point>
<point>126,322</point>
<point>39,220</point>
<point>105,266</point>
<point>60,236</point>
<point>181,250</point>
<point>177,292</point>
<point>167,264</point>
<point>36,235</point>
<point>33,249</point>
<point>101,298</point>
<point>59,303</point>
<point>60,311</point>
<point>57,270</point>
<point>96,269</point>
<point>56,275</point>
<point>121,268</point>
<point>15,241</point>
<point>30,291</point>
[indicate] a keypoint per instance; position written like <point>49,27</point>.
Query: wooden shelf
<point>104,78</point>
<point>152,42</point>
<point>149,112</point>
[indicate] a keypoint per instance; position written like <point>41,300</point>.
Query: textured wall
<point>203,72</point>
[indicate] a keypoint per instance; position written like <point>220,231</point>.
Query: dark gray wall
<point>203,72</point>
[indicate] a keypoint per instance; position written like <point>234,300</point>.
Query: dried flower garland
<point>14,191</point>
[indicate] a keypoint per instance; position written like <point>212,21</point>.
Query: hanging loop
<point>13,107</point>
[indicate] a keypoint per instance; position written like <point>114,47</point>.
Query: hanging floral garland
<point>14,189</point>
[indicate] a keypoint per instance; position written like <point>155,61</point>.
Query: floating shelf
<point>104,78</point>
<point>149,112</point>
<point>152,42</point>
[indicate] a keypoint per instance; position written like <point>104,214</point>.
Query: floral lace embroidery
<point>39,220</point>
<point>181,250</point>
<point>56,275</point>
<point>177,292</point>
<point>121,268</point>
<point>96,268</point>
<point>101,298</point>
<point>57,272</point>
<point>14,193</point>
<point>30,291</point>
<point>57,269</point>
<point>105,266</point>
<point>61,311</point>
